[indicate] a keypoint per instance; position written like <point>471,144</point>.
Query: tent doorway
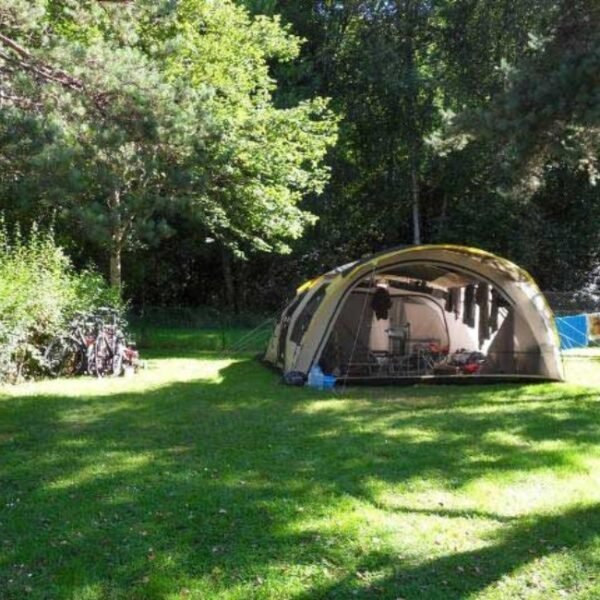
<point>425,320</point>
<point>395,342</point>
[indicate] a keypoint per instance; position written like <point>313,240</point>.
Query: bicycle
<point>70,353</point>
<point>109,345</point>
<point>95,345</point>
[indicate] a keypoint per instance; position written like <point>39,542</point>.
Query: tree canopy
<point>138,110</point>
<point>548,113</point>
<point>298,134</point>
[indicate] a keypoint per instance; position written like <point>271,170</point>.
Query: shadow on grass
<point>462,574</point>
<point>136,495</point>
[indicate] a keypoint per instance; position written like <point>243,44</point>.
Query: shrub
<point>39,294</point>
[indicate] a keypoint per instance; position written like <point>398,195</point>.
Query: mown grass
<point>205,478</point>
<point>208,339</point>
<point>582,365</point>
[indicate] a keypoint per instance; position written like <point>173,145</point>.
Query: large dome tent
<point>437,312</point>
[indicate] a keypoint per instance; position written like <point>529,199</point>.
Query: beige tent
<point>419,313</point>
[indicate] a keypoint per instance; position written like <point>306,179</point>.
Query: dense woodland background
<point>220,153</point>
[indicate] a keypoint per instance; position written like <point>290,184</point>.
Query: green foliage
<point>204,121</point>
<point>39,294</point>
<point>547,115</point>
<point>483,63</point>
<point>261,160</point>
<point>146,110</point>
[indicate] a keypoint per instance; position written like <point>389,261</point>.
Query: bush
<point>40,292</point>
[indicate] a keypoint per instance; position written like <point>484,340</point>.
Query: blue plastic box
<point>328,382</point>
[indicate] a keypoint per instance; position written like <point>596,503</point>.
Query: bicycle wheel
<point>102,357</point>
<point>78,363</point>
<point>55,356</point>
<point>117,361</point>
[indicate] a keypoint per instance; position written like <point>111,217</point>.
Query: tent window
<point>305,317</point>
<point>285,323</point>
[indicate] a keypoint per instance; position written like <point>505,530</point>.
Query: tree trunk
<point>117,237</point>
<point>242,281</point>
<point>416,207</point>
<point>443,219</point>
<point>116,280</point>
<point>228,278</point>
<point>413,129</point>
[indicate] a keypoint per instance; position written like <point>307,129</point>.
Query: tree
<point>548,112</point>
<point>254,167</point>
<point>356,52</point>
<point>264,159</point>
<point>180,113</point>
<point>113,130</point>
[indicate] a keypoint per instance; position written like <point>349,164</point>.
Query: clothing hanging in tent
<point>457,293</point>
<point>494,311</point>
<point>449,306</point>
<point>469,306</point>
<point>381,303</point>
<point>483,301</point>
<point>453,301</point>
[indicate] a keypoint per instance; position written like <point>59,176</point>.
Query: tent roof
<point>508,268</point>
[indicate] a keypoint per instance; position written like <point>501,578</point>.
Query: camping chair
<point>398,339</point>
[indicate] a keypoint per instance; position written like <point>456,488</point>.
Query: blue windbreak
<point>573,331</point>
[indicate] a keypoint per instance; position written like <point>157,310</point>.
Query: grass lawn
<point>204,478</point>
<point>187,339</point>
<point>582,365</point>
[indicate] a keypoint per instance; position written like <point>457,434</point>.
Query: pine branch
<point>45,73</point>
